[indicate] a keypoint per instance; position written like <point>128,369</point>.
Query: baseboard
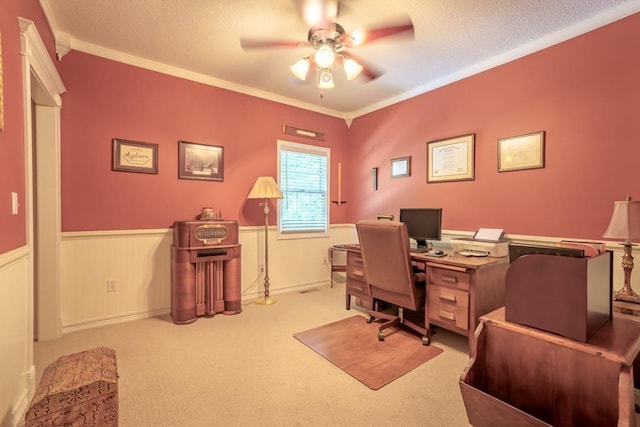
<point>125,317</point>
<point>15,417</point>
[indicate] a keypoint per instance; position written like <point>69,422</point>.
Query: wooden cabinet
<point>518,375</point>
<point>460,290</point>
<point>356,282</point>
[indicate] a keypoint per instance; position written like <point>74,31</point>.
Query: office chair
<point>389,273</point>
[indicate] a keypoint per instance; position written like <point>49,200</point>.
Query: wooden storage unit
<point>205,270</point>
<point>565,295</point>
<point>519,375</point>
<point>460,290</point>
<point>356,282</point>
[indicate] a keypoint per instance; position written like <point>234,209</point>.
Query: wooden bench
<point>79,389</point>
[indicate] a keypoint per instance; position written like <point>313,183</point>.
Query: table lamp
<point>265,188</point>
<point>625,225</point>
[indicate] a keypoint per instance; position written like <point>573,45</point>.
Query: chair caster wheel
<point>380,336</point>
<point>370,319</point>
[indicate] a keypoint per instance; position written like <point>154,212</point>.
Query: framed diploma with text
<point>521,152</point>
<point>451,159</point>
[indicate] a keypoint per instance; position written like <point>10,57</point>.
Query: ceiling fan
<point>329,42</point>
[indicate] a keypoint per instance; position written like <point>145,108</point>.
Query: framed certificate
<point>521,152</point>
<point>451,159</point>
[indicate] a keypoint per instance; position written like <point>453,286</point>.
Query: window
<point>303,175</point>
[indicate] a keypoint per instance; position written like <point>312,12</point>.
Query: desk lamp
<point>625,224</point>
<point>265,188</point>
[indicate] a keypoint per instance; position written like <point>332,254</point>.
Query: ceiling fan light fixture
<point>351,68</point>
<point>325,79</point>
<point>301,68</point>
<point>325,56</point>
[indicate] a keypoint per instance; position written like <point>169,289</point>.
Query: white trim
<point>565,34</point>
<point>112,320</point>
<point>37,66</point>
<point>64,43</point>
<point>8,259</point>
<point>36,53</point>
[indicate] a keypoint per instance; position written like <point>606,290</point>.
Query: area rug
<point>352,345</point>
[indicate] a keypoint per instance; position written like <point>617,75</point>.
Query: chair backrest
<point>387,262</point>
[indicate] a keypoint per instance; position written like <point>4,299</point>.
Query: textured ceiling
<point>199,39</point>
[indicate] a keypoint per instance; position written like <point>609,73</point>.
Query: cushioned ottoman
<point>80,389</point>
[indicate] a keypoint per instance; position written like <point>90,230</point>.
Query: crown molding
<point>65,43</point>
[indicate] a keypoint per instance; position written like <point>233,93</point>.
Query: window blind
<point>303,179</point>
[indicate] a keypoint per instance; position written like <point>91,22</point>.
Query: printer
<point>485,242</point>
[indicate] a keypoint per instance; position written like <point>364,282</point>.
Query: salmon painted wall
<point>584,93</point>
<point>107,99</point>
<point>12,160</point>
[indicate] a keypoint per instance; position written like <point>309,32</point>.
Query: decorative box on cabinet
<point>564,295</point>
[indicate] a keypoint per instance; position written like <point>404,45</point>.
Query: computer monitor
<point>423,224</point>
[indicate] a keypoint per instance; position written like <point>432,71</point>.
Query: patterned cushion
<point>80,389</point>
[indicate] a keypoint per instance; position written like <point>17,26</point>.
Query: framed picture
<point>451,159</point>
<point>401,167</point>
<point>521,152</point>
<point>132,156</point>
<point>200,161</point>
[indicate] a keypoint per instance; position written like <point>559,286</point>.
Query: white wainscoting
<point>140,263</point>
<point>16,336</point>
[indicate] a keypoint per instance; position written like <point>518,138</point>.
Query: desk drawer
<point>442,276</point>
<point>449,306</point>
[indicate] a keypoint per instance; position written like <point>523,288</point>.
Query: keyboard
<point>473,253</point>
<point>426,252</point>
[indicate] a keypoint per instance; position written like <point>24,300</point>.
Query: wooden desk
<point>459,289</point>
<point>519,375</point>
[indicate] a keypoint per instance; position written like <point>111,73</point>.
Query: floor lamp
<point>625,225</point>
<point>265,188</point>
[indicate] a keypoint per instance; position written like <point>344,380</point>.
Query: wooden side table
<point>332,260</point>
<point>627,308</point>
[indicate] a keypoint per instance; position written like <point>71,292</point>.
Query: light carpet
<point>352,345</point>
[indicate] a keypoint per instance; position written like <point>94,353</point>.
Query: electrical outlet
<point>111,285</point>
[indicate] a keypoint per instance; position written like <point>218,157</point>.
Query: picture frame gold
<point>134,156</point>
<point>521,152</point>
<point>200,161</point>
<point>451,159</point>
<point>401,167</point>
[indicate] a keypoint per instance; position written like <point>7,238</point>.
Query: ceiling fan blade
<point>403,27</point>
<point>369,72</point>
<point>247,43</point>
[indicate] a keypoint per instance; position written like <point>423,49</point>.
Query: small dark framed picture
<point>200,161</point>
<point>133,156</point>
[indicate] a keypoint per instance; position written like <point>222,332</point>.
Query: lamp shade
<point>301,68</point>
<point>265,188</point>
<point>351,68</point>
<point>625,221</point>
